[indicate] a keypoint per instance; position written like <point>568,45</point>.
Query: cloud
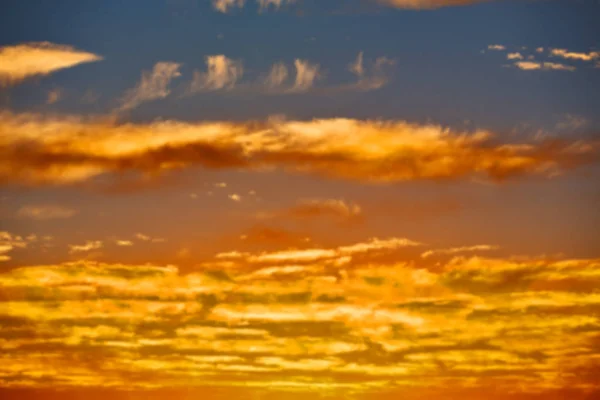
<point>54,96</point>
<point>23,61</point>
<point>124,243</point>
<point>427,4</point>
<point>514,56</point>
<point>373,78</point>
<point>317,208</point>
<point>542,66</point>
<point>277,76</point>
<point>9,242</point>
<point>276,4</point>
<point>45,212</point>
<point>146,238</point>
<point>153,85</point>
<point>222,74</point>
<point>306,75</point>
<point>225,5</point>
<point>569,55</point>
<point>87,246</point>
<point>497,47</point>
<point>283,317</point>
<point>235,197</point>
<point>456,250</point>
<point>35,150</point>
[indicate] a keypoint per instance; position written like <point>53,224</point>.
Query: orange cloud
<point>428,4</point>
<point>22,61</point>
<point>469,323</point>
<point>35,149</point>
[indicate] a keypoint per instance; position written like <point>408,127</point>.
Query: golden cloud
<point>36,149</point>
<point>300,315</point>
<point>22,61</point>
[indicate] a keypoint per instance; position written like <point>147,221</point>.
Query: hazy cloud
<point>45,212</point>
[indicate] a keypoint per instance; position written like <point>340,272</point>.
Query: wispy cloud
<point>427,4</point>
<point>153,85</point>
<point>306,75</point>
<point>225,6</point>
<point>23,61</point>
<point>571,55</point>
<point>56,150</point>
<point>45,212</point>
<point>87,246</point>
<point>543,66</point>
<point>222,74</point>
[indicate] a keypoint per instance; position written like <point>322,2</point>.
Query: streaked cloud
<point>45,212</point>
<point>543,66</point>
<point>222,74</point>
<point>288,316</point>
<point>87,246</point>
<point>153,85</point>
<point>456,250</point>
<point>427,4</point>
<point>147,238</point>
<point>571,55</point>
<point>316,208</point>
<point>36,149</point>
<point>23,61</point>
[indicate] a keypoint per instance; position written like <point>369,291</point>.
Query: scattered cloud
<point>9,242</point>
<point>124,243</point>
<point>496,47</point>
<point>235,197</point>
<point>427,4</point>
<point>570,55</point>
<point>542,66</point>
<point>45,212</point>
<point>225,6</point>
<point>87,246</point>
<point>514,56</point>
<point>54,96</point>
<point>23,61</point>
<point>277,76</point>
<point>222,74</point>
<point>306,75</point>
<point>275,4</point>
<point>146,238</point>
<point>371,78</point>
<point>153,85</point>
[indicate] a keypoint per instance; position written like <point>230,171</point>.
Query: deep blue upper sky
<point>440,75</point>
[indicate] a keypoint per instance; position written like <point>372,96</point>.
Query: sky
<point>294,199</point>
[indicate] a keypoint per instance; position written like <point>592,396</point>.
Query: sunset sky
<point>300,199</point>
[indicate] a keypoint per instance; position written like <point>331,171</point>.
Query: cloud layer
<point>354,318</point>
<point>23,61</point>
<point>35,149</point>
